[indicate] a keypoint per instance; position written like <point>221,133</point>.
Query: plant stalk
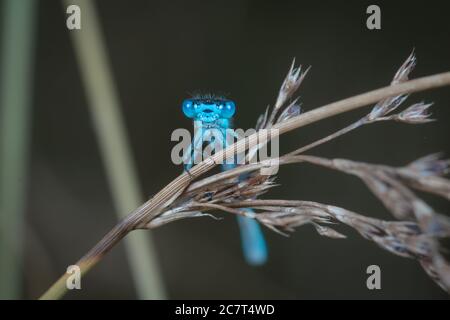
<point>16,92</point>
<point>109,125</point>
<point>152,207</point>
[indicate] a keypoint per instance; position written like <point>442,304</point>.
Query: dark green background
<point>160,51</point>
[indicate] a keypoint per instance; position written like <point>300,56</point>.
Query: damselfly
<point>213,113</point>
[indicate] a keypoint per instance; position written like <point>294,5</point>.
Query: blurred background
<point>59,196</point>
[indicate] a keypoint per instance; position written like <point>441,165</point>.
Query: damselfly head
<point>208,108</point>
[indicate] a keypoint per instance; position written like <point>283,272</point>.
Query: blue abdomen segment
<point>253,243</point>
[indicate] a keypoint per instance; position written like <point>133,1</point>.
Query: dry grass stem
<point>417,235</point>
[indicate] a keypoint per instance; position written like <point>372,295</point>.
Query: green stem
<point>116,154</point>
<point>15,95</point>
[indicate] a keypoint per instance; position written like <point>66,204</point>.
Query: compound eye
<point>228,109</point>
<point>188,108</point>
